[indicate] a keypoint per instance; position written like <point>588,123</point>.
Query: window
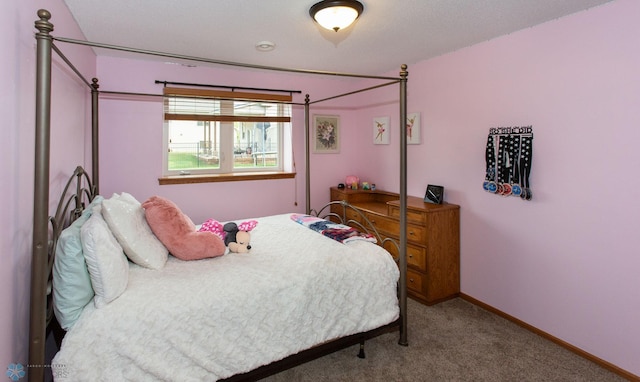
<point>221,132</point>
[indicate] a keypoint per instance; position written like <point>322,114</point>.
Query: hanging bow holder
<point>508,157</point>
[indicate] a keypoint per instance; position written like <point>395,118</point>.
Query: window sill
<point>233,177</point>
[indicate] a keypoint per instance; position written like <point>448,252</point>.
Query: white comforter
<point>210,319</point>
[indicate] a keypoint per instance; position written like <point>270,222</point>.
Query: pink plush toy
<point>178,233</point>
<point>352,182</point>
<point>236,237</point>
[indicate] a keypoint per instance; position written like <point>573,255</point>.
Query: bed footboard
<point>344,213</point>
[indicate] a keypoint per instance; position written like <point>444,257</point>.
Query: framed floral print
<point>413,128</point>
<point>326,134</point>
<point>381,131</point>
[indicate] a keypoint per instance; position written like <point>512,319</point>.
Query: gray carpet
<point>453,341</point>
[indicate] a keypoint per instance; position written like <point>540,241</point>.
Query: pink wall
<point>566,262</point>
<point>17,106</point>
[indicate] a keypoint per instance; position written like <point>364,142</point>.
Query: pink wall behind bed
<point>68,137</point>
<point>568,261</point>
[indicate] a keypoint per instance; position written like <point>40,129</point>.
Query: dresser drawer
<point>383,224</point>
<point>354,215</point>
<point>416,256</point>
<point>412,216</point>
<point>416,281</point>
<point>415,234</point>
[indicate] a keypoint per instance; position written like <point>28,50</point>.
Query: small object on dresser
<point>434,194</point>
<point>365,186</point>
<point>341,186</point>
<point>352,182</point>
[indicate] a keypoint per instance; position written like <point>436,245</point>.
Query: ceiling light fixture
<point>336,14</point>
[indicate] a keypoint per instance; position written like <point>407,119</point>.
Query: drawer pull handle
<point>411,233</point>
<point>410,280</point>
<point>410,256</point>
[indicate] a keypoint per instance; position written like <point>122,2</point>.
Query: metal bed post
<point>403,205</point>
<point>40,253</point>
<point>306,155</point>
<point>94,137</point>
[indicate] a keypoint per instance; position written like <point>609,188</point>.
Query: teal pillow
<point>72,289</point>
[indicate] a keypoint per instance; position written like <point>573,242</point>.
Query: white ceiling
<point>387,34</point>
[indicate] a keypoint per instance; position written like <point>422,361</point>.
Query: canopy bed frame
<point>46,228</point>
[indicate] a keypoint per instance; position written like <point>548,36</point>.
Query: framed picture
<point>381,131</point>
<point>326,134</point>
<point>413,128</point>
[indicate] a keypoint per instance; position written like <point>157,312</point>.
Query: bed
<point>293,298</point>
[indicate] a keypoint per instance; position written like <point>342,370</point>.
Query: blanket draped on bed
<point>210,319</point>
<point>339,232</point>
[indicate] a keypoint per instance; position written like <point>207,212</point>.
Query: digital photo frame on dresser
<point>434,194</point>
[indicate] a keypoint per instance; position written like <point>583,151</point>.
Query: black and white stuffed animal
<point>238,238</point>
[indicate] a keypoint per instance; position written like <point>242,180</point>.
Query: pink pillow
<point>178,233</point>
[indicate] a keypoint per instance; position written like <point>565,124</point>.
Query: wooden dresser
<point>433,239</point>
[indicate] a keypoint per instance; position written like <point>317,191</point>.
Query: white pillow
<point>108,266</point>
<point>125,217</point>
<point>72,289</point>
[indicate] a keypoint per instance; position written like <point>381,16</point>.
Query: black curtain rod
<point>122,93</point>
<point>233,88</point>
